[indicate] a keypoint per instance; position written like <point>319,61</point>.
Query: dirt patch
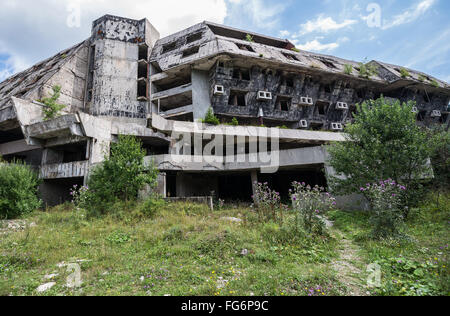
<point>346,267</point>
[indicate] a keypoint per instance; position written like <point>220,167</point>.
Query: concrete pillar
<point>200,93</point>
<point>254,177</point>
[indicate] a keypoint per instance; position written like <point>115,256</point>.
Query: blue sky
<point>413,34</point>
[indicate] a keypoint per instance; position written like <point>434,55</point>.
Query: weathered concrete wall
<point>200,93</point>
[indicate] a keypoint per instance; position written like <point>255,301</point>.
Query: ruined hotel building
<point>124,79</point>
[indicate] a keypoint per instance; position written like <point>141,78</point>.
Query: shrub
<point>386,207</point>
<point>249,38</point>
<point>384,142</point>
<point>51,109</point>
<point>404,73</point>
<point>310,205</point>
<point>367,70</point>
<point>267,203</point>
<point>234,122</point>
<point>119,177</point>
<point>18,190</point>
<point>348,69</point>
<point>210,118</point>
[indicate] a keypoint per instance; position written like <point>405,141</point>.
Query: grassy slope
<point>187,250</point>
<point>184,250</point>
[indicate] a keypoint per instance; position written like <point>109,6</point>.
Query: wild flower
<point>309,204</point>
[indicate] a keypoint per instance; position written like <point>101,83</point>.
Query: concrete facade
<point>124,79</point>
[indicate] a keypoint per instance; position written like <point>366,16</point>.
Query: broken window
<point>237,98</point>
<point>421,116</point>
<point>191,51</point>
<point>241,74</point>
<point>291,57</point>
<point>284,103</point>
<point>142,90</point>
<point>169,47</point>
<point>322,107</point>
<point>194,37</point>
<point>143,52</point>
<point>90,79</point>
<point>247,48</point>
<point>329,64</point>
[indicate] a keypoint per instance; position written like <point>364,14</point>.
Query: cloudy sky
<point>413,33</point>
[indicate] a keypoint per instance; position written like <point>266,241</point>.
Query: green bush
<point>52,109</point>
<point>210,118</point>
<point>385,142</point>
<point>18,190</point>
<point>119,177</point>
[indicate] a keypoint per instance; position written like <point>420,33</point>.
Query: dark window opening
<point>90,79</point>
<point>237,98</point>
<point>444,118</point>
<point>194,38</point>
<point>142,71</point>
<point>11,136</point>
<point>289,82</point>
<point>360,94</point>
<point>246,48</point>
<point>291,57</point>
<point>169,47</point>
<point>241,74</point>
<point>329,64</point>
<point>421,116</point>
<point>322,107</point>
<point>142,89</point>
<point>283,103</point>
<point>327,88</point>
<point>143,52</point>
<point>191,51</point>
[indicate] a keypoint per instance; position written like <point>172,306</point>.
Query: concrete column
<point>254,178</point>
<point>200,93</point>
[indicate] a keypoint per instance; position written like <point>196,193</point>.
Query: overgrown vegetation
<point>384,143</point>
<point>210,118</point>
<point>415,265</point>
<point>249,38</point>
<point>182,249</point>
<point>404,73</point>
<point>348,69</point>
<point>118,178</point>
<point>18,190</point>
<point>311,205</point>
<point>52,109</point>
<point>435,83</point>
<point>367,70</point>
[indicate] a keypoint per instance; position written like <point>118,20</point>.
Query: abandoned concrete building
<point>124,79</point>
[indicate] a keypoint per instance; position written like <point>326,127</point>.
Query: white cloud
<point>34,30</point>
<point>410,15</point>
<point>324,25</point>
<point>316,46</point>
<point>285,33</point>
<point>258,13</point>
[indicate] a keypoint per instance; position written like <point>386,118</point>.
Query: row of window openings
<point>238,98</point>
<point>190,39</point>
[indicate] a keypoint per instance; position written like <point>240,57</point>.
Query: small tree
<point>210,118</point>
<point>51,109</point>
<point>383,143</point>
<point>123,174</point>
